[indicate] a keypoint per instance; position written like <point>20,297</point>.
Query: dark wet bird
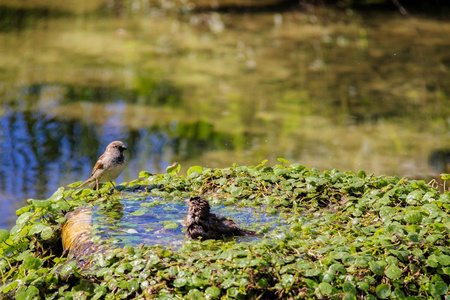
<point>201,223</point>
<point>109,165</point>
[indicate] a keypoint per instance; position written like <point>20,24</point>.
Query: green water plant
<point>343,235</point>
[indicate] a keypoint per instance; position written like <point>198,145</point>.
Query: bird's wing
<point>98,165</point>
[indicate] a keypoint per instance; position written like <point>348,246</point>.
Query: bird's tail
<point>90,183</point>
<point>246,232</point>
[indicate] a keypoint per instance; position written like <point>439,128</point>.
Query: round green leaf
<point>413,217</point>
<point>133,284</point>
<point>432,261</point>
<point>414,197</point>
<point>443,259</point>
<point>23,218</point>
<point>194,169</point>
<point>195,294</point>
<point>376,268</point>
<point>383,291</point>
<point>46,233</point>
<point>31,263</point>
<point>349,288</point>
<point>328,277</point>
<point>393,272</point>
<point>212,292</point>
<point>68,268</point>
<point>233,292</point>
<point>170,225</point>
<point>398,294</point>
<point>262,283</point>
<point>325,288</point>
<point>363,286</point>
<point>180,282</point>
<point>445,176</point>
<point>441,288</point>
<point>25,293</point>
<point>287,279</point>
<point>41,203</point>
<point>138,212</point>
<point>413,237</point>
<point>283,160</point>
<point>4,235</point>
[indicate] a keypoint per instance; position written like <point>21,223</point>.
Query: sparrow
<point>200,223</point>
<point>109,165</point>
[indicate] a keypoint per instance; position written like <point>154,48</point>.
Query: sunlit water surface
<point>156,221</point>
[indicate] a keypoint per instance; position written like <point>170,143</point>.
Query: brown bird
<point>109,165</point>
<point>200,223</point>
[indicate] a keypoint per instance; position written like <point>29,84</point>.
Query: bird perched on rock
<point>109,165</point>
<point>200,223</point>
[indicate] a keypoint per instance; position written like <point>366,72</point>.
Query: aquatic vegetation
<point>343,235</point>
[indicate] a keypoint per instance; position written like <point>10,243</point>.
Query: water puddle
<point>156,221</point>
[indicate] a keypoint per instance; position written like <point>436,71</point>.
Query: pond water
<point>155,221</point>
<point>326,88</point>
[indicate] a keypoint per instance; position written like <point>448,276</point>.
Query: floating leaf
<point>169,224</point>
<point>138,212</point>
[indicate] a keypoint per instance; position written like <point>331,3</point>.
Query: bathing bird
<point>201,223</point>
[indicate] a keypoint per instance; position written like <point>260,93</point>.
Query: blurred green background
<point>348,85</point>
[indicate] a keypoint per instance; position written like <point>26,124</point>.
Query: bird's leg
<point>96,181</point>
<point>114,186</point>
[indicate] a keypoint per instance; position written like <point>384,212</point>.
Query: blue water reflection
<point>42,152</point>
<point>156,221</point>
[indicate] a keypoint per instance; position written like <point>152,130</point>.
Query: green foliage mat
<point>346,235</point>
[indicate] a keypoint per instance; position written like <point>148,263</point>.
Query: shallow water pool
<point>156,221</point>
